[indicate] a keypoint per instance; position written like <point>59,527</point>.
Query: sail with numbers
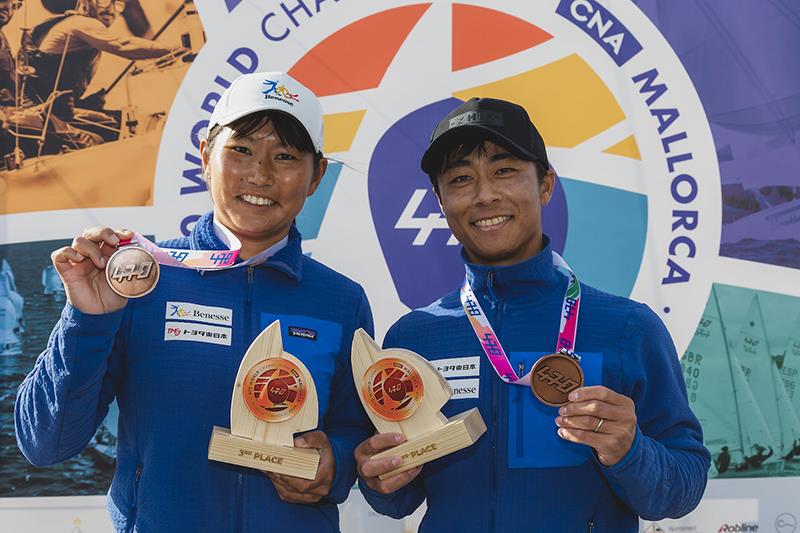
<point>720,395</point>
<point>761,369</point>
<point>790,370</point>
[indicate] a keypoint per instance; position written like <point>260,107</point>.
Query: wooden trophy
<point>403,393</point>
<point>274,397</point>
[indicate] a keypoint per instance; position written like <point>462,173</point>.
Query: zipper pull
<point>520,373</point>
<point>490,289</point>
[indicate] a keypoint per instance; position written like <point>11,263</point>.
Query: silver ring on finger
<point>599,425</point>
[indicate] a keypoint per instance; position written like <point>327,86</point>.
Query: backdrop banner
<point>672,127</point>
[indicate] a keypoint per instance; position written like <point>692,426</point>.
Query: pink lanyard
<point>196,259</point>
<point>491,344</point>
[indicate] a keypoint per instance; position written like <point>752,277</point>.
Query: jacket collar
<point>533,278</point>
<point>288,259</point>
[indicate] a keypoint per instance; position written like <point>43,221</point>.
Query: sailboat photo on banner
<point>734,427</point>
<point>760,367</point>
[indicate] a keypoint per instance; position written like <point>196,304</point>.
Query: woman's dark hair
<point>473,141</point>
<point>287,128</point>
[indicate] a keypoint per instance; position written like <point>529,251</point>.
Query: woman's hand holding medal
<point>600,418</point>
<point>81,267</point>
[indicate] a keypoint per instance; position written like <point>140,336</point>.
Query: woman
<point>261,160</point>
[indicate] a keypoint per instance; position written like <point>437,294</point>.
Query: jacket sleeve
<point>62,401</point>
<point>664,474</point>
<point>405,500</point>
<point>346,424</point>
<point>398,504</point>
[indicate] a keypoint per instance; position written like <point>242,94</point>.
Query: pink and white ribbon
<point>494,351</point>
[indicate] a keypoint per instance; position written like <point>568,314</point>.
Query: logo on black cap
<point>486,118</point>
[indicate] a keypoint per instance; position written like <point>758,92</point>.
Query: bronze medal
<point>132,272</point>
<point>554,376</point>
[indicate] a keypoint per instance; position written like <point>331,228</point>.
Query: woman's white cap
<point>263,91</point>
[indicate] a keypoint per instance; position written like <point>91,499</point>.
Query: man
<point>8,72</point>
<point>67,48</point>
<point>83,34</point>
<point>723,460</point>
<point>755,461</point>
<point>624,446</point>
<point>8,77</point>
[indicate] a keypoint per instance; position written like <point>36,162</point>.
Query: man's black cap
<point>503,121</point>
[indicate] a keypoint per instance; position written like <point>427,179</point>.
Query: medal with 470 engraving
<point>392,389</point>
<point>274,389</point>
<point>554,376</point>
<point>132,272</point>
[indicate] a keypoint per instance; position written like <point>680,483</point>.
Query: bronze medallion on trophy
<point>273,398</point>
<point>274,389</point>
<point>132,272</point>
<point>403,393</point>
<point>554,376</point>
<point>392,389</point>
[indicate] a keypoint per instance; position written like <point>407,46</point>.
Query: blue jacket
<point>520,476</point>
<point>171,393</point>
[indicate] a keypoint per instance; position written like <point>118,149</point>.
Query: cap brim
<point>433,154</point>
<point>232,117</point>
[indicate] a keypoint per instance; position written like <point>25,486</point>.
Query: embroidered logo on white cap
<point>265,91</point>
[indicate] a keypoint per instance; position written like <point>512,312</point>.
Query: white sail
<point>765,381</point>
<point>791,365</point>
<point>51,281</point>
<point>755,430</point>
<point>6,272</point>
<point>9,328</point>
<point>8,289</point>
<point>719,393</point>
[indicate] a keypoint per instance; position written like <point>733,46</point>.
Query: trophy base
<point>297,462</point>
<point>459,432</point>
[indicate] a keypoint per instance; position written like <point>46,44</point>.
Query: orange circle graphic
<point>392,389</point>
<point>274,389</point>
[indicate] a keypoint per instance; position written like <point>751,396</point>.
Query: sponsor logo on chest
<point>207,314</point>
<point>455,370</point>
<point>186,331</point>
<point>187,321</point>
